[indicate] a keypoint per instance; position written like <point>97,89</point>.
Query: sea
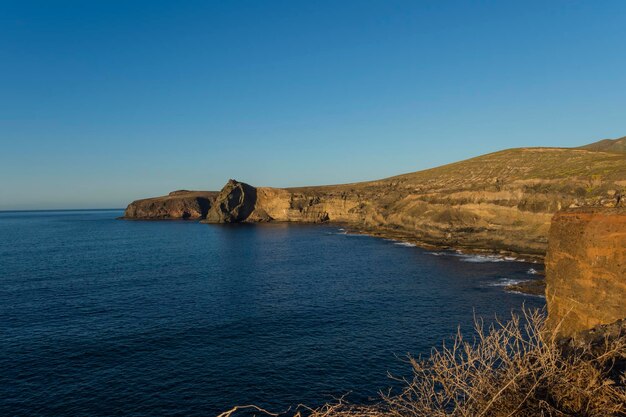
<point>102,317</point>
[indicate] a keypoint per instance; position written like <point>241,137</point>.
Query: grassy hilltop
<point>499,201</point>
<point>607,145</point>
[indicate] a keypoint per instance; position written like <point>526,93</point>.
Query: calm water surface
<point>102,317</point>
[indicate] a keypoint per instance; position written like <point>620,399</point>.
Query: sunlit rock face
<point>241,202</point>
<point>586,268</point>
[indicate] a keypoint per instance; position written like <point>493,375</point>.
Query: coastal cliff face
<point>240,202</point>
<point>500,202</point>
<point>233,204</point>
<point>586,269</point>
<point>309,206</point>
<point>177,205</point>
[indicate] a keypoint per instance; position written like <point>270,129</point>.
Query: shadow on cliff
<point>234,204</point>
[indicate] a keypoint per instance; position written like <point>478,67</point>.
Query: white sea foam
<point>405,244</point>
<point>505,282</point>
<point>476,258</point>
<point>473,258</point>
<point>400,242</point>
<point>481,258</point>
<point>532,271</point>
<point>528,295</point>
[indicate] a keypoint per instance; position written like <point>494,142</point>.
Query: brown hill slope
<point>499,202</point>
<point>607,145</point>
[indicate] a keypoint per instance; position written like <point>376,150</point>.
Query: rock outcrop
<point>241,202</point>
<point>177,205</point>
<point>233,204</point>
<point>586,269</point>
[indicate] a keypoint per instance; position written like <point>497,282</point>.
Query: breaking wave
<point>405,244</point>
<point>481,258</point>
<point>476,258</point>
<point>505,282</point>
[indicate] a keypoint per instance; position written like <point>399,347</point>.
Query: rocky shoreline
<point>500,204</point>
<point>531,287</point>
<point>507,254</point>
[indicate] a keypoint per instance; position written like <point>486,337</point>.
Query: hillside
<point>500,202</point>
<point>607,145</point>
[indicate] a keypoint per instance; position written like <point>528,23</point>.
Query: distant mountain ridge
<point>607,145</point>
<point>499,202</point>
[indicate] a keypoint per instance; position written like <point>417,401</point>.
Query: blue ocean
<point>101,317</point>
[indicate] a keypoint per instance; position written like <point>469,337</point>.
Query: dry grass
<point>514,368</point>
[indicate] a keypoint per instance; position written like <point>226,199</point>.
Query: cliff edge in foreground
<point>586,269</point>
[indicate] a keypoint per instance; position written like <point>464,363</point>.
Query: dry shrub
<point>516,368</point>
<point>513,368</point>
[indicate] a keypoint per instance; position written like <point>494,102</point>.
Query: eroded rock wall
<point>586,268</point>
<point>241,202</point>
<point>233,204</point>
<point>310,207</point>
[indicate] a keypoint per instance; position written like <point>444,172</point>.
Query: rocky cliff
<point>500,202</point>
<point>233,204</point>
<point>240,202</point>
<point>180,204</point>
<point>586,268</point>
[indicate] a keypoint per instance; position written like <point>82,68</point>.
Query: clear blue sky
<point>103,102</point>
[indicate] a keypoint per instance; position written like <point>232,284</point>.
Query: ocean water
<point>100,316</point>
